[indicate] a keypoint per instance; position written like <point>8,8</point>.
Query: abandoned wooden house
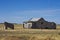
<point>39,23</point>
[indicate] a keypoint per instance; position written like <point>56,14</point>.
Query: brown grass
<point>30,37</point>
<point>29,34</point>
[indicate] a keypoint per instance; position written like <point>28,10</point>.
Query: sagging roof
<point>32,20</point>
<point>35,19</point>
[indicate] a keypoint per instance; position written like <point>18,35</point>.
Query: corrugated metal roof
<point>34,19</point>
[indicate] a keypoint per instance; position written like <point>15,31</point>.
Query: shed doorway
<point>46,28</point>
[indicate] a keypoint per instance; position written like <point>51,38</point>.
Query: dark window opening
<point>46,27</point>
<point>25,23</point>
<point>41,22</point>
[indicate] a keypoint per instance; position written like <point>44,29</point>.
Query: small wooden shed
<point>39,23</point>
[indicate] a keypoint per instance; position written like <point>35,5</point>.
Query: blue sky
<point>17,11</point>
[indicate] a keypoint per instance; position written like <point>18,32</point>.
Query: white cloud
<point>46,12</point>
<point>41,11</point>
<point>19,17</point>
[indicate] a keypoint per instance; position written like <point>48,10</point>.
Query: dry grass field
<point>19,33</point>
